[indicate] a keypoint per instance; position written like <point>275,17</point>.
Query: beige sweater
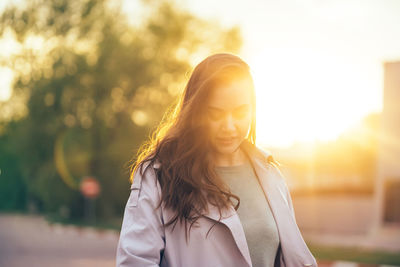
<point>254,213</point>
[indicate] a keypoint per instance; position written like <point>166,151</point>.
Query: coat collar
<point>275,190</point>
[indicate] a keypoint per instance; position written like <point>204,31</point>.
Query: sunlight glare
<point>6,76</point>
<point>304,96</point>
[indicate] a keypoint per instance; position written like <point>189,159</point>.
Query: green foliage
<point>89,87</point>
<point>369,257</point>
<point>12,191</point>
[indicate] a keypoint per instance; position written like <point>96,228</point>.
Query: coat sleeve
<point>142,238</point>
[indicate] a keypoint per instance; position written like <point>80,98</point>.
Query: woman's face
<point>229,114</point>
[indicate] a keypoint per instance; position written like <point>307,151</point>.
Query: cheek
<point>212,128</point>
<point>244,125</point>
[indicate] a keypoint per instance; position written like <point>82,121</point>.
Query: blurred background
<point>83,84</point>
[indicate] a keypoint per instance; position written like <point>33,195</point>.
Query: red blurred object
<point>90,187</point>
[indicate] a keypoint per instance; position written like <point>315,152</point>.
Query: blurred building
<point>387,187</point>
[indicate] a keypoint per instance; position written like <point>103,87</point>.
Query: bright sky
<point>317,64</point>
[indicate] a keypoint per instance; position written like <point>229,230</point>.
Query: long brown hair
<point>186,175</point>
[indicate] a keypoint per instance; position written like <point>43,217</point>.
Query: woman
<point>203,194</point>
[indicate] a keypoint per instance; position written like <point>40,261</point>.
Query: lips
<point>226,141</point>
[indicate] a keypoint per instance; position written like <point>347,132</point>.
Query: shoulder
<point>260,155</point>
<point>145,179</point>
<point>269,162</point>
<point>144,169</point>
<point>267,157</point>
<point>266,154</point>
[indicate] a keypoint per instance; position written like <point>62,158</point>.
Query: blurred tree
<point>12,188</point>
<point>88,88</point>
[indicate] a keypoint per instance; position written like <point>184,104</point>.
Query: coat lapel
<point>231,219</point>
<point>293,246</point>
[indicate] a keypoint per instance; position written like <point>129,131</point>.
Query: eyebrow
<point>236,108</point>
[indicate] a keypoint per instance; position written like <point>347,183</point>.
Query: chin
<point>227,150</point>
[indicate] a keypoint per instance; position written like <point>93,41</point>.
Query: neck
<point>236,158</point>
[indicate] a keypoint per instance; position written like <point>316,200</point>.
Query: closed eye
<point>238,113</point>
<point>215,114</point>
<point>241,112</point>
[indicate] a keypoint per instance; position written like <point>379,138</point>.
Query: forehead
<point>231,95</point>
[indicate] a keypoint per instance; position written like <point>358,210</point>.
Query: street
<point>31,241</point>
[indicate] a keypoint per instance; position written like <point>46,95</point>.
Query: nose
<point>229,123</point>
